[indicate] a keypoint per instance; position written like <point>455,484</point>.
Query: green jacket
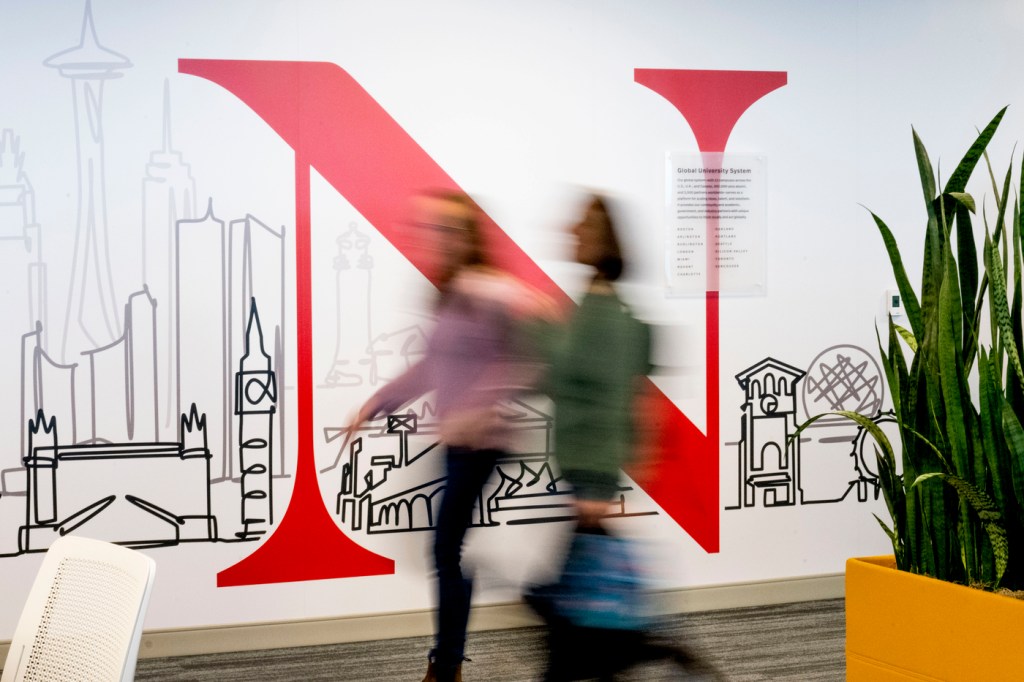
<point>595,364</point>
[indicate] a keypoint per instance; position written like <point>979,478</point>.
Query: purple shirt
<point>470,361</point>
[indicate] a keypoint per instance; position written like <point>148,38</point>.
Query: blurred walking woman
<point>471,366</point>
<point>594,372</point>
<point>598,624</point>
<point>596,363</point>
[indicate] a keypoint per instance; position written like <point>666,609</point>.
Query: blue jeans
<point>468,471</point>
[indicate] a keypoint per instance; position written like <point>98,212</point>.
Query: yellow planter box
<point>902,626</point>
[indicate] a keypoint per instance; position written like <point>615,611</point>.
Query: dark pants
<point>579,653</point>
<point>468,471</point>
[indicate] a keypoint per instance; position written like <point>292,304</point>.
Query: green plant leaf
<point>931,281</point>
<point>1000,308</point>
<point>910,302</point>
<point>1013,387</point>
<point>967,260</point>
<point>897,545</point>
<point>958,181</point>
<point>986,510</point>
<point>1001,206</point>
<point>1014,471</point>
<point>907,336</point>
<point>963,199</point>
<point>991,173</point>
<point>894,378</point>
<point>1015,391</point>
<point>895,498</point>
<point>955,395</point>
<point>924,168</point>
<point>957,184</point>
<point>993,416</point>
<point>864,422</point>
<point>929,445</point>
<point>886,528</point>
<point>1018,214</point>
<point>900,381</point>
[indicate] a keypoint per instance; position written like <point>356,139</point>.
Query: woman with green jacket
<point>597,625</point>
<point>595,367</point>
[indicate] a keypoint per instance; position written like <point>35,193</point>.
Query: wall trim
<point>312,632</point>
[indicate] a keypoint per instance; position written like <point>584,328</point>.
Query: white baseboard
<point>284,634</point>
<point>761,593</point>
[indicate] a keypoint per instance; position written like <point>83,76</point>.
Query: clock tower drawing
<point>769,463</point>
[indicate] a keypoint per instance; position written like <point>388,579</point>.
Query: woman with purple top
<point>470,364</point>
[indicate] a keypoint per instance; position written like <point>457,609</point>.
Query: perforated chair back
<point>83,618</point>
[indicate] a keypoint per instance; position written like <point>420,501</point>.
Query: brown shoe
<point>431,675</point>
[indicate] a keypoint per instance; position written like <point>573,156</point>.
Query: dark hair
<point>611,264</point>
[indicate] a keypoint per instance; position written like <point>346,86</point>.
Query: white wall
<point>520,103</point>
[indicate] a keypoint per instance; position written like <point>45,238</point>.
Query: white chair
<point>83,618</point>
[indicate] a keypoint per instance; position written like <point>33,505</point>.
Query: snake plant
<point>954,489</point>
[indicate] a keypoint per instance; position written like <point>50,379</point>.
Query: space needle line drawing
<point>91,319</point>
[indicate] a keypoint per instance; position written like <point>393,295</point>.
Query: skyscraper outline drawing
<point>168,195</point>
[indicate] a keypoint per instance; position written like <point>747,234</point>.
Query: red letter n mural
<point>336,127</point>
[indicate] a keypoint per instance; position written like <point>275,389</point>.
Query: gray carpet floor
<point>801,641</point>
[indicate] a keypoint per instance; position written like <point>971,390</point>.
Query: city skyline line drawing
<point>105,404</point>
<point>130,366</point>
<point>77,501</point>
<point>91,317</point>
